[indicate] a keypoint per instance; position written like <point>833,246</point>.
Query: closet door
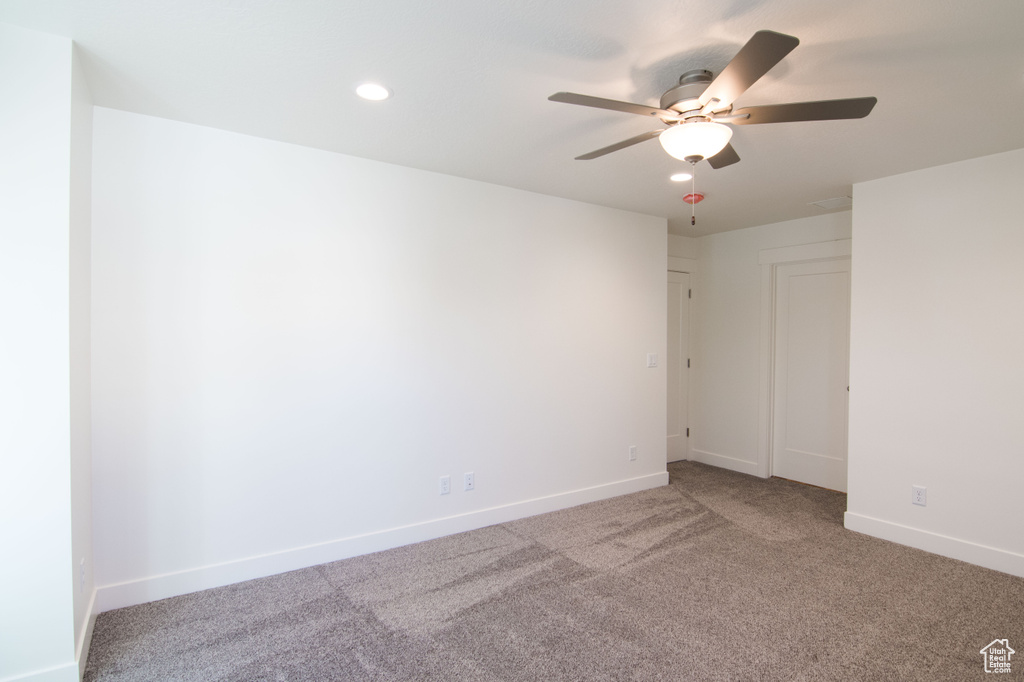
<point>676,365</point>
<point>810,403</point>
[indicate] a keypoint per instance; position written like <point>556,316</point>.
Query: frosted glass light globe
<point>703,139</point>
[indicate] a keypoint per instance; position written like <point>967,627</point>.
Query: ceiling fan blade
<point>619,145</point>
<point>763,51</point>
<point>726,157</point>
<point>825,110</point>
<point>612,104</point>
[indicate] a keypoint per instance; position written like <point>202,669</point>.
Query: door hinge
<point>689,293</point>
<point>687,431</point>
<point>688,364</point>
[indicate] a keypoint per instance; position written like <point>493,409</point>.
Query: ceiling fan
<point>696,110</point>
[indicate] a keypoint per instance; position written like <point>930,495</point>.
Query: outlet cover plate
<point>919,495</point>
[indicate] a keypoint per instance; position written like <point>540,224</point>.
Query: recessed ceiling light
<point>681,177</point>
<point>373,92</point>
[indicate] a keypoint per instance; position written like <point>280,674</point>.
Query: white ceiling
<point>471,80</point>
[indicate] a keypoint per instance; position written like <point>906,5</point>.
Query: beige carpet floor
<point>717,576</point>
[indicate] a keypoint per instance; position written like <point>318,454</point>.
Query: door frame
<point>686,266</point>
<point>770,260</point>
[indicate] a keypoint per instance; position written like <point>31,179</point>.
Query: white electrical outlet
<point>632,453</point>
<point>445,485</point>
<point>467,481</point>
<point>652,359</point>
<point>919,495</point>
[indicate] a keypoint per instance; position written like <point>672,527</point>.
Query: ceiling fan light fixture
<point>701,139</point>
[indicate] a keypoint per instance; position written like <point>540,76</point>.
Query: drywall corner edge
<point>117,596</point>
<point>935,543</point>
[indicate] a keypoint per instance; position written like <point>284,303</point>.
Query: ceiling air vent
<point>833,204</point>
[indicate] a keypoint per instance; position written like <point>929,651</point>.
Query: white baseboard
<point>69,672</point>
<point>85,639</point>
<point>173,584</point>
<point>972,553</point>
<point>63,673</point>
<point>723,462</point>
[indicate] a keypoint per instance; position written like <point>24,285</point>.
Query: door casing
<point>769,260</point>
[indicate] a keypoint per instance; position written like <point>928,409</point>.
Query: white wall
<point>727,338</point>
<point>937,360</point>
<point>291,346</point>
<point>38,225</point>
<point>680,246</point>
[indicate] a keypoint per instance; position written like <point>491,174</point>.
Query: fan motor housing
<point>684,97</point>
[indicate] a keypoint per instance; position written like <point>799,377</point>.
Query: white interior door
<point>811,379</point>
<point>676,365</point>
